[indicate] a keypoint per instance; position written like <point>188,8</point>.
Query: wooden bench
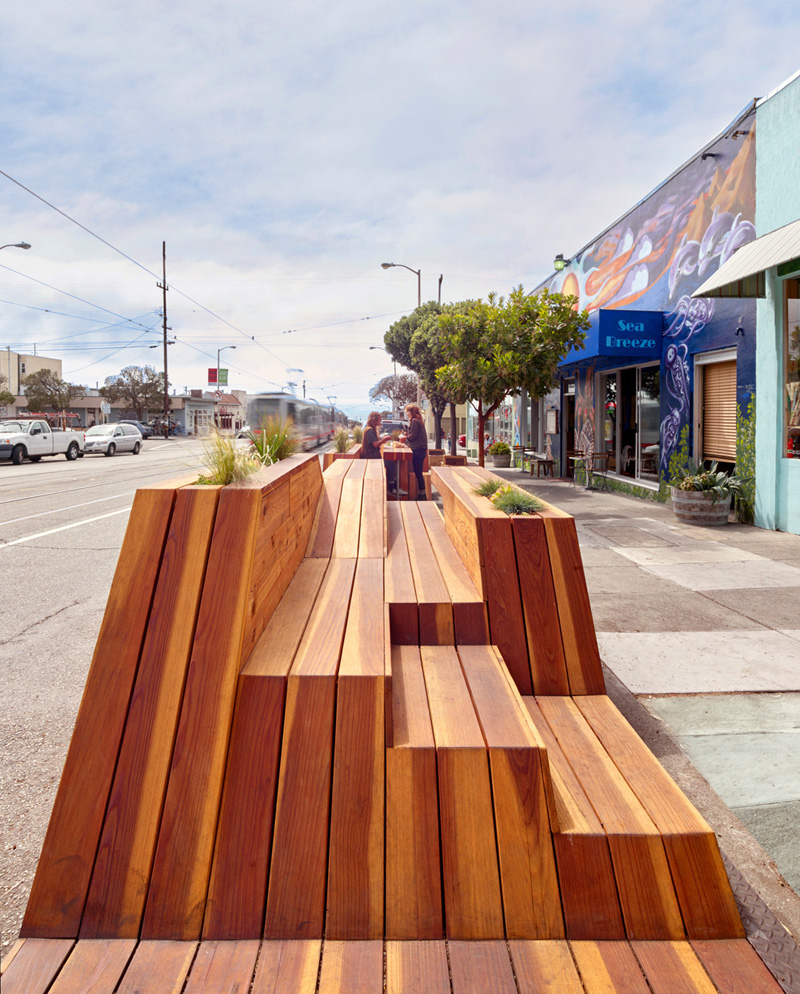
<point>336,717</point>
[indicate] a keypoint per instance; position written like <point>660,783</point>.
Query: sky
<point>283,152</point>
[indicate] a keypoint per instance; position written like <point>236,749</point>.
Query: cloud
<point>284,153</point>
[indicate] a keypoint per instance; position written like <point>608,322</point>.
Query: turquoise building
<point>768,269</point>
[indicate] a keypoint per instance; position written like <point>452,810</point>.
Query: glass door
<point>648,417</point>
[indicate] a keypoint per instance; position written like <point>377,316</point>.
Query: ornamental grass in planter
<point>703,496</point>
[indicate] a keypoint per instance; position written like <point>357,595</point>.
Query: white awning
<point>742,274</point>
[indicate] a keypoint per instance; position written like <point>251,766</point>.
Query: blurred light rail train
<point>314,423</point>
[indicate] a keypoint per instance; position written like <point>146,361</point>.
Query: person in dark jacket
<point>416,438</point>
<point>371,442</point>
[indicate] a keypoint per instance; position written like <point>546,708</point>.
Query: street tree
<point>398,390</point>
<point>415,342</point>
<point>6,396</point>
<point>498,347</point>
<point>44,389</point>
<point>140,388</point>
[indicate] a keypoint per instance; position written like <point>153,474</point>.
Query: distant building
<point>15,366</point>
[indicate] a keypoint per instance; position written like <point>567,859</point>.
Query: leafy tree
<point>140,388</point>
<point>6,396</point>
<point>399,390</point>
<point>415,341</point>
<point>501,346</point>
<point>44,388</point>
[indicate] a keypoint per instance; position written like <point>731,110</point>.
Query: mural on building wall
<point>584,411</point>
<point>659,254</point>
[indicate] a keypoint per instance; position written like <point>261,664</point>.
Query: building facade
<point>664,378</point>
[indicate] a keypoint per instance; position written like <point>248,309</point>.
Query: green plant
<point>341,440</point>
<point>225,461</point>
<point>358,434</point>
<point>719,484</point>
<point>510,500</point>
<point>488,487</point>
<point>499,449</point>
<point>274,441</point>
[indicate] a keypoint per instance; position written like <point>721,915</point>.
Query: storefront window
<point>792,369</point>
<point>609,415</point>
<point>649,419</point>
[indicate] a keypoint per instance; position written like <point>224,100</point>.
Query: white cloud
<point>283,154</point>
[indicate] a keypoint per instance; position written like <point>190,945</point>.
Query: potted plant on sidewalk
<point>703,496</point>
<point>501,455</point>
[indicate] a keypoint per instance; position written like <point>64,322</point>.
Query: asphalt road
<point>61,527</point>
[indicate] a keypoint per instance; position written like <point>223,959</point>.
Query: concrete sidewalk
<point>701,629</point>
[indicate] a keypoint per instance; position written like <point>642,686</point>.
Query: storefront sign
<point>634,334</point>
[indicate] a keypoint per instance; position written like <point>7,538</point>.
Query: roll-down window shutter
<point>719,411</point>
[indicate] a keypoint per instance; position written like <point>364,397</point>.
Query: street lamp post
<point>391,265</point>
<point>218,390</point>
<point>22,245</point>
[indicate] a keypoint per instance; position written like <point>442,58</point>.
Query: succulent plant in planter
<point>703,496</point>
<point>500,453</point>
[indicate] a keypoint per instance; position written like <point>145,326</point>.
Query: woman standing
<point>416,438</point>
<point>371,442</point>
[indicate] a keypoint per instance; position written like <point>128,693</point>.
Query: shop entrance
<point>630,414</point>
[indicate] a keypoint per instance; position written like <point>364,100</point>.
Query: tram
<point>314,423</point>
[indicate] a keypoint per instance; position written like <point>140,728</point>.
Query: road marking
<point>71,507</point>
<point>63,528</point>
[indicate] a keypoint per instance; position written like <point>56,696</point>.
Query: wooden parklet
<point>329,732</point>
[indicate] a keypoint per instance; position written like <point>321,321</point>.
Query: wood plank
<point>586,876</point>
<point>355,863</point>
<point>244,834</point>
<point>94,966</point>
<point>673,968</point>
<point>320,543</point>
<point>735,967</point>
<point>34,966</point>
<point>501,582</point>
<point>413,868</point>
<point>581,654</point>
<point>348,521</point>
<point>607,967</point>
<point>520,785</point>
<point>65,865</point>
<point>400,592</point>
<point>470,619</point>
<point>179,881</point>
<point>460,514</point>
<point>288,966</point>
<point>478,967</point>
<point>296,895</point>
<point>116,899</point>
<point>5,962</point>
<point>158,967</point>
<point>472,893</point>
<point>372,538</point>
<point>544,967</point>
<point>542,628</point>
<point>413,967</point>
<point>707,903</point>
<point>433,598</point>
<point>352,968</point>
<point>223,967</point>
<point>647,896</point>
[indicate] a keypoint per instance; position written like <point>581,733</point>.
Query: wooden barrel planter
<point>501,460</point>
<point>696,507</point>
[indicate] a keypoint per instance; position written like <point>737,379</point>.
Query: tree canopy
<point>498,347</point>
<point>6,396</point>
<point>140,388</point>
<point>398,390</point>
<point>44,388</point>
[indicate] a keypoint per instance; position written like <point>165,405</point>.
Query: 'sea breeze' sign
<point>630,333</point>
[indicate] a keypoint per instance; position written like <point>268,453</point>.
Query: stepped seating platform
<point>353,745</point>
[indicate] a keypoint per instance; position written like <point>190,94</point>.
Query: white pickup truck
<point>20,439</point>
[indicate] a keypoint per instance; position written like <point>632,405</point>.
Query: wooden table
<point>405,482</point>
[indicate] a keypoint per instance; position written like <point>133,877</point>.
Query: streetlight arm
<point>22,245</point>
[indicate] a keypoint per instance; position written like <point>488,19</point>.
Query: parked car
<point>109,439</point>
<point>144,430</point>
<point>21,438</point>
<point>462,441</point>
<point>390,425</point>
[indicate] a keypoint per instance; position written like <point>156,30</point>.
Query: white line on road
<point>71,507</point>
<point>63,528</point>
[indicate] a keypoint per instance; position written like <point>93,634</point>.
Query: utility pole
<point>163,286</point>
